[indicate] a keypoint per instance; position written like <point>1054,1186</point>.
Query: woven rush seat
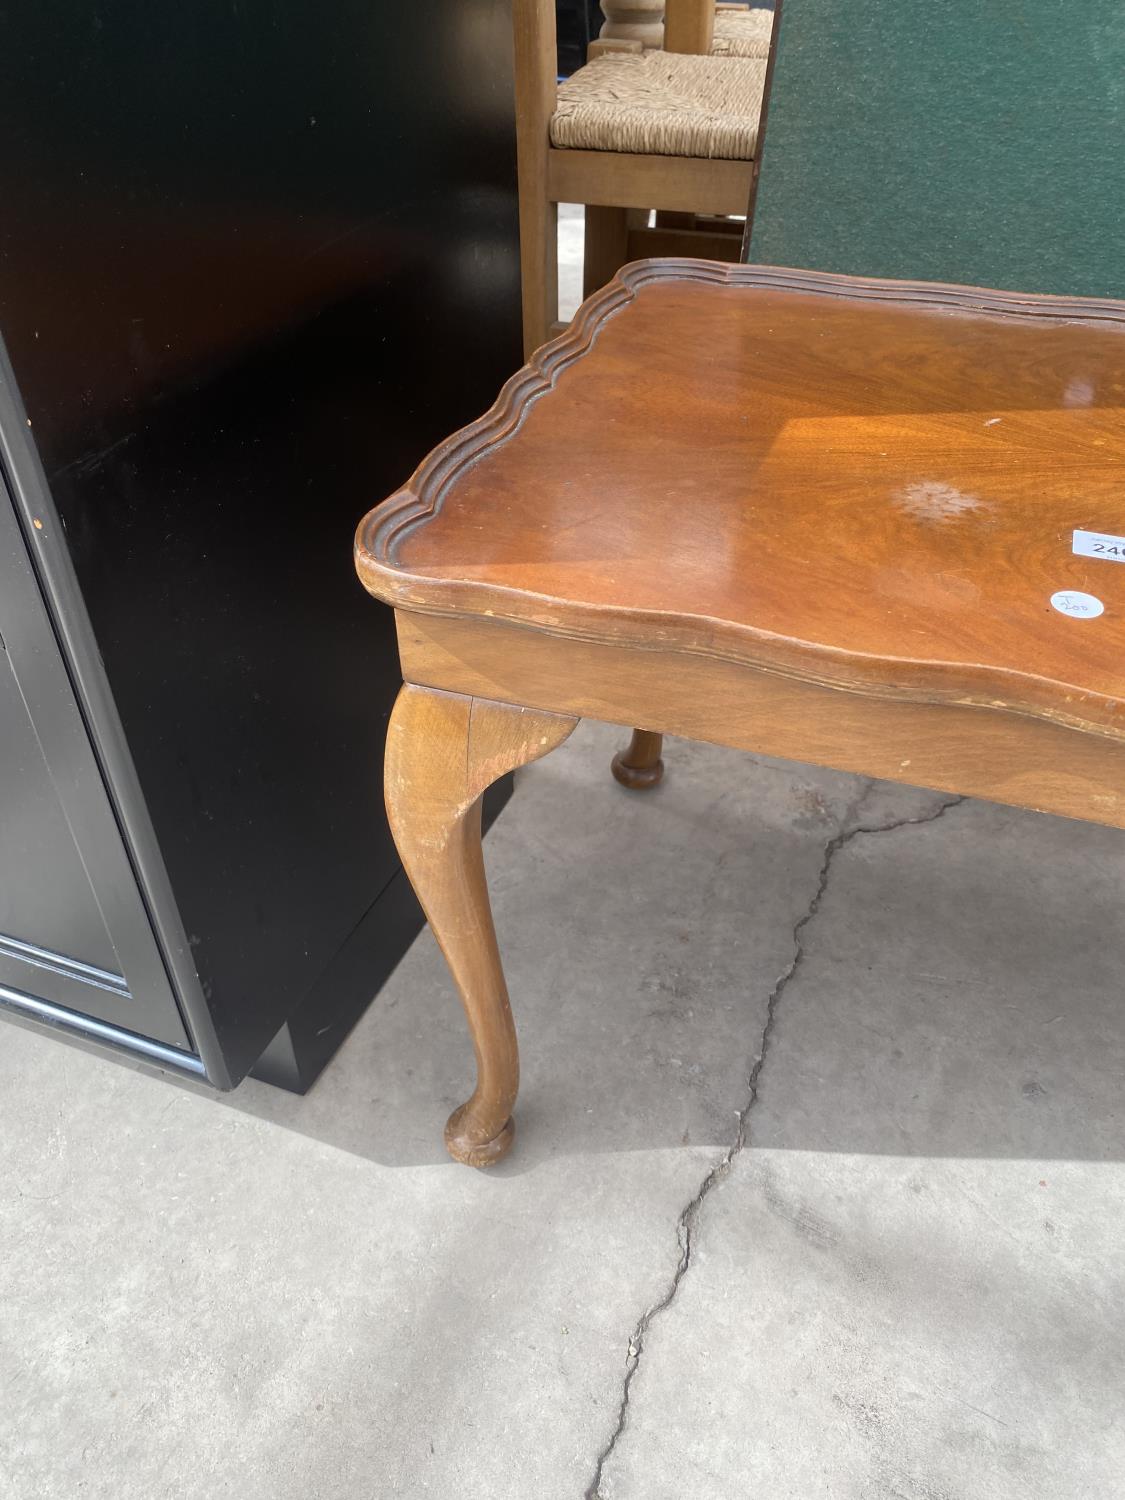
<point>746,35</point>
<point>662,104</point>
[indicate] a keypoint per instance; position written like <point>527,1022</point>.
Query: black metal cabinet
<point>238,247</point>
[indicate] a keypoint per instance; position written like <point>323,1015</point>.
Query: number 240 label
<point>1099,544</point>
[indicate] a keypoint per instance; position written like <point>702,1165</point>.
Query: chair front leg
<point>443,751</point>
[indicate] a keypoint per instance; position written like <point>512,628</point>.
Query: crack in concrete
<point>686,1224</point>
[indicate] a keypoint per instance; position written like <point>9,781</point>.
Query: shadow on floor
<point>957,995</point>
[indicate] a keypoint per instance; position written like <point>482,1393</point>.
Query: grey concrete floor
<point>817,1189</point>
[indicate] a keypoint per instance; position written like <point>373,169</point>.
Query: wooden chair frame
<point>609,183</point>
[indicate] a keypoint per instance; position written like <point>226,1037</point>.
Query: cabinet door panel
<point>74,933</point>
<point>46,898</point>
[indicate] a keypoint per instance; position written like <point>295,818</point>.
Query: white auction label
<point>1078,606</point>
<point>1101,544</point>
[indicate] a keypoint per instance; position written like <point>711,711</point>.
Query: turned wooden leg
<point>633,20</point>
<point>640,767</point>
<point>443,751</point>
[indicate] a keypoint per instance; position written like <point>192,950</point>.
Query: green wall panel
<point>949,141</point>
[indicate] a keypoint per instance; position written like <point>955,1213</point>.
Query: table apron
<point>998,754</point>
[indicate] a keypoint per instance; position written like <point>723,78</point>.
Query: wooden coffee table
<point>878,526</point>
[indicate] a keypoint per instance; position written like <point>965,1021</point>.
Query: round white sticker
<point>1078,606</point>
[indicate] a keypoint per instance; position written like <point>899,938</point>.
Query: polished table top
<point>873,484</point>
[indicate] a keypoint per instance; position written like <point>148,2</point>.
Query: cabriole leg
<point>443,751</point>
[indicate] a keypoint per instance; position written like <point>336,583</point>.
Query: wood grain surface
<point>1025,760</point>
<point>870,485</point>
